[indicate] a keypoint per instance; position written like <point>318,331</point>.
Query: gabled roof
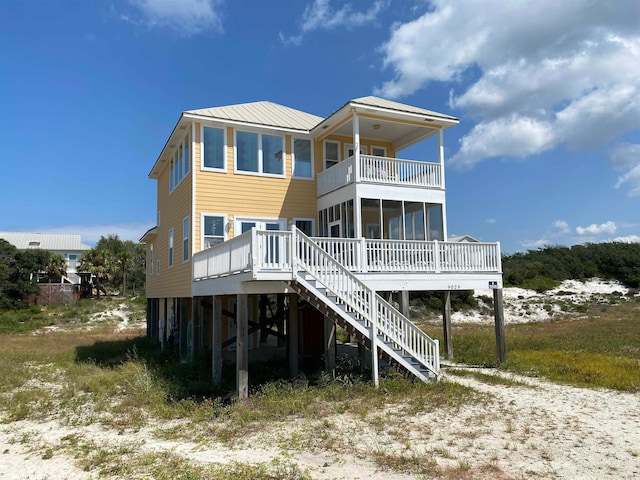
<point>262,113</point>
<point>462,238</point>
<point>45,241</point>
<point>378,102</point>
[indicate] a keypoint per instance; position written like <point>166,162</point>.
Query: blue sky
<point>547,150</point>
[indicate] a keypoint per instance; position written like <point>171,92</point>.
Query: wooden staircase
<point>331,288</point>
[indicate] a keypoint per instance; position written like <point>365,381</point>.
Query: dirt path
<point>531,429</point>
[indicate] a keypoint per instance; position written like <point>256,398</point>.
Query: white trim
<point>260,171</point>
<point>324,152</point>
<point>238,220</point>
<point>225,235</point>
<point>194,163</point>
<point>307,219</point>
<point>249,125</point>
<point>224,149</point>
<point>293,158</point>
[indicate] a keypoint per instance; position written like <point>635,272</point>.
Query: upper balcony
<point>382,171</point>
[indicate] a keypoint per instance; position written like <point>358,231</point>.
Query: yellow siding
<point>240,195</point>
<point>173,208</point>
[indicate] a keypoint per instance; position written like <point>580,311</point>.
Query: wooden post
<point>403,300</point>
<point>292,336</point>
<point>280,318</point>
<point>329,345</point>
<point>446,324</point>
<point>242,346</point>
<point>216,341</point>
<point>498,311</point>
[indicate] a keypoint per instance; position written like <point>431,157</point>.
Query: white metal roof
<point>262,113</point>
<point>401,107</point>
<point>45,241</point>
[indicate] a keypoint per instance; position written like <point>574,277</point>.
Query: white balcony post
<point>363,255</point>
<point>293,257</point>
<point>254,251</point>
<point>441,156</point>
<point>436,256</point>
<point>356,146</point>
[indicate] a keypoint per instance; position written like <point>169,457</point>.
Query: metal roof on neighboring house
<point>45,241</point>
<point>262,113</point>
<point>401,107</point>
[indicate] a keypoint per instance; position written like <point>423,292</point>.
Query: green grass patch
<point>600,350</point>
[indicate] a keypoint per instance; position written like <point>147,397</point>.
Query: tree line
<point>613,260</point>
<point>117,265</point>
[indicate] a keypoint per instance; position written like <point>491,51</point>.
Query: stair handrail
<point>384,319</point>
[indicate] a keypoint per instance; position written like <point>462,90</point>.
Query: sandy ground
<point>529,429</point>
<point>532,429</point>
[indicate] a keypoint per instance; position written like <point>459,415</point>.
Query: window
<point>179,165</point>
<point>185,240</point>
<point>331,156</point>
<point>378,151</point>
<point>171,248</point>
<point>158,267</point>
<point>272,154</point>
<point>151,259</point>
<point>187,157</point>
<point>213,146</point>
<point>302,164</point>
<point>212,230</point>
<point>158,219</point>
<point>305,225</point>
<point>259,153</point>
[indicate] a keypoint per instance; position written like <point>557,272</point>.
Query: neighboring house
<point>67,246</point>
<point>259,201</point>
<point>463,238</point>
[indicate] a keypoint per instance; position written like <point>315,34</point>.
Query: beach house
<point>275,225</point>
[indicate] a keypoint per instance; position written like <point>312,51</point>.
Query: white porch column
<point>356,146</point>
<point>374,340</point>
<point>445,233</point>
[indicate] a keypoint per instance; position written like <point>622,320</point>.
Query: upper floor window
<point>170,262</point>
<point>151,259</point>
<point>331,153</point>
<point>305,225</point>
<point>213,148</point>
<point>180,163</point>
<point>302,158</point>
<point>378,151</point>
<point>259,153</point>
<point>212,230</point>
<point>185,240</point>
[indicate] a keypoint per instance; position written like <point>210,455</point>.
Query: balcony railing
<point>381,170</point>
<point>273,251</point>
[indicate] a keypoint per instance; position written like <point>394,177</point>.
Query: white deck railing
<point>383,321</point>
<point>380,170</point>
<point>262,250</point>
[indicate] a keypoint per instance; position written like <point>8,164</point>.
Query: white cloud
<point>90,234</point>
<point>628,239</point>
<point>189,17</point>
<point>491,220</point>
<point>594,229</point>
<point>626,156</point>
<point>562,226</point>
<point>531,244</point>
<point>565,72</point>
<point>319,15</point>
